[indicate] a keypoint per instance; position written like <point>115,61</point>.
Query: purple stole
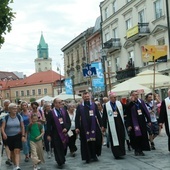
<point>90,132</point>
<point>63,137</point>
<point>137,129</point>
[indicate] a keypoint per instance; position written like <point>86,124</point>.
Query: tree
<point>32,100</point>
<point>6,18</point>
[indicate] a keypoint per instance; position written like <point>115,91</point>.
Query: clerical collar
<point>89,102</point>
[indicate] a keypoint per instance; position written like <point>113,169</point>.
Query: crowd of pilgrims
<point>55,127</point>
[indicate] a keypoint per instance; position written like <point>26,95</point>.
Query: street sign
<point>89,71</point>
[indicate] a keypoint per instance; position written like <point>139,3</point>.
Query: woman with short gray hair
<point>71,133</point>
<point>14,133</point>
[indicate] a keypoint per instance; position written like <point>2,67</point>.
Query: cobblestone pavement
<point>158,159</point>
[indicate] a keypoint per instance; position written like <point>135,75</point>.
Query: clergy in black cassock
<point>164,116</point>
<point>137,119</point>
<point>58,124</point>
<point>88,123</point>
<point>113,117</point>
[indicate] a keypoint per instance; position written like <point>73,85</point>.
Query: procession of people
<point>56,127</point>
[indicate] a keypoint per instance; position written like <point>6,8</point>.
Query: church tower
<point>42,62</point>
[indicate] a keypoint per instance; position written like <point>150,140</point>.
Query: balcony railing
<point>113,44</point>
<point>138,31</point>
<point>127,73</point>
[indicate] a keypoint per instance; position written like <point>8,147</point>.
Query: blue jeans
<point>26,146</point>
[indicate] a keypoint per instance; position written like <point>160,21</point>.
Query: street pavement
<point>158,159</point>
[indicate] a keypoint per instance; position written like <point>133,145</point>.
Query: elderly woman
<point>26,119</point>
<point>71,133</point>
<point>14,133</point>
<point>48,146</point>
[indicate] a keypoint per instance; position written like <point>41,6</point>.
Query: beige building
<point>129,25</point>
<point>75,58</point>
<point>35,86</point>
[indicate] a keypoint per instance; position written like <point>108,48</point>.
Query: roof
<point>97,24</point>
<point>45,77</point>
<point>42,42</point>
<point>4,75</point>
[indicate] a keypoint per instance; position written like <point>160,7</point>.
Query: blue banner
<point>69,86</point>
<point>99,80</point>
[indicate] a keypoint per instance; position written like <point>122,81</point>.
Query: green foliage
<point>6,18</point>
<point>32,100</point>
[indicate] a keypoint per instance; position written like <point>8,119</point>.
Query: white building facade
<point>127,25</point>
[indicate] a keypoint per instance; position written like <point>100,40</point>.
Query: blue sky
<point>59,20</point>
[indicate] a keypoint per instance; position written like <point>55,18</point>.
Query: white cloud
<point>60,21</point>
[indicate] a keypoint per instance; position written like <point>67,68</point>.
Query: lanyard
<point>113,106</point>
<point>59,113</point>
<point>137,105</point>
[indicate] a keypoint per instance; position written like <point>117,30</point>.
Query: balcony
<point>113,44</point>
<point>137,32</point>
<point>127,73</point>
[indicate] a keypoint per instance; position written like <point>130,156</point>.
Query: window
<point>68,61</point>
<point>28,92</point>
<point>106,37</point>
<point>33,92</point>
<point>161,41</point>
<point>7,95</point>
<point>16,94</point>
<point>109,63</point>
<point>141,17</point>
<point>45,91</point>
<point>115,33</point>
<point>128,23</point>
<point>106,13</point>
<point>77,54</point>
<point>22,93</point>
<point>158,8</point>
<point>128,0</point>
<point>131,59</point>
<point>117,64</point>
<point>114,6</point>
<point>39,91</point>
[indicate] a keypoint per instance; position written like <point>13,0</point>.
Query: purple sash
<point>135,122</point>
<point>136,126</point>
<point>63,137</point>
<point>90,132</point>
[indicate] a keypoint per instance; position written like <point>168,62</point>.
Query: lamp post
<point>168,21</point>
<point>103,59</point>
<point>60,84</point>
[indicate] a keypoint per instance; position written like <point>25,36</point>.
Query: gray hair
<point>6,101</point>
<point>12,105</point>
<point>70,105</point>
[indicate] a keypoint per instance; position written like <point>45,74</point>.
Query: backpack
<point>7,116</point>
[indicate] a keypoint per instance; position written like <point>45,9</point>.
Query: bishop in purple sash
<point>58,124</point>
<point>137,118</point>
<point>88,123</point>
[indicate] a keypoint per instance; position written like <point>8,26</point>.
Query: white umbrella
<point>45,98</point>
<point>126,87</point>
<point>146,78</point>
<point>64,96</point>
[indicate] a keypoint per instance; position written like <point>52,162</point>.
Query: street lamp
<point>59,70</point>
<point>72,77</point>
<point>103,59</point>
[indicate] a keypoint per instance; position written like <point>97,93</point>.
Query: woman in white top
<point>71,133</point>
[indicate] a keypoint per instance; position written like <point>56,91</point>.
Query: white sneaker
<point>49,155</point>
<point>17,168</point>
<point>35,167</point>
<point>38,167</point>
